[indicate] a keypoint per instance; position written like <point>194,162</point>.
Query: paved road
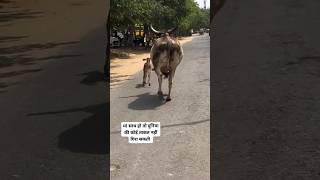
<point>52,98</point>
<point>266,90</point>
<point>182,151</point>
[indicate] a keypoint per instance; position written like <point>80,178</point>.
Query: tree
<point>196,18</point>
<point>163,14</point>
<point>130,12</point>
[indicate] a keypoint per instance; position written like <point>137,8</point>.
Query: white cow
<point>166,54</point>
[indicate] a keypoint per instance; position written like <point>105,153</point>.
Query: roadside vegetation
<point>127,15</point>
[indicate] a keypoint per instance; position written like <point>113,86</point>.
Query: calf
<point>146,71</point>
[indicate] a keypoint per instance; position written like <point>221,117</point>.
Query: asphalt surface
<point>52,96</point>
<point>266,86</point>
<point>183,149</point>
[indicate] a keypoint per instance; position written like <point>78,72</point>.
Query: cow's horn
<point>155,31</point>
<point>172,30</point>
<point>175,28</point>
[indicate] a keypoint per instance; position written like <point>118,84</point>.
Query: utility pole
<point>205,4</point>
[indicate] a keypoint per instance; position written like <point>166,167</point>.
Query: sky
<point>200,2</point>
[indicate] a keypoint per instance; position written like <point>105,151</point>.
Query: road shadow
<point>119,78</point>
<point>92,78</point>
<point>36,46</point>
<point>22,54</point>
<point>11,12</point>
<point>139,86</point>
<point>4,39</point>
<point>3,85</point>
<point>145,101</point>
<point>91,135</point>
<point>7,61</point>
<point>17,14</point>
<point>17,73</point>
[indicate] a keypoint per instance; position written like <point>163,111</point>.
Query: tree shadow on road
<point>139,86</point>
<point>145,101</point>
<point>91,135</point>
<point>17,73</point>
<point>92,78</point>
<point>13,14</point>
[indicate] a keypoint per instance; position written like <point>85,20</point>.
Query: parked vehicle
<point>190,32</point>
<point>201,31</point>
<point>114,42</point>
<point>119,38</point>
<point>139,35</point>
<point>120,35</point>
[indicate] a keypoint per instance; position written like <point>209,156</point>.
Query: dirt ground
<point>121,69</point>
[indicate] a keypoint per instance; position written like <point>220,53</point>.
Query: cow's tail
<point>169,56</point>
<point>166,75</point>
<point>170,52</point>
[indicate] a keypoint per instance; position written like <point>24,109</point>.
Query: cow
<point>166,54</point>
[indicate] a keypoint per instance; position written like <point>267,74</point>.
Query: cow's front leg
<point>160,83</point>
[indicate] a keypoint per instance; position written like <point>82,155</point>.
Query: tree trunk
<point>130,36</point>
<point>216,6</point>
<point>107,64</point>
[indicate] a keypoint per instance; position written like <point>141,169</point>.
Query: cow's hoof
<point>168,99</point>
<point>160,93</point>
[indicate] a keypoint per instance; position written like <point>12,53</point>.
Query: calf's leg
<point>149,73</point>
<point>144,78</point>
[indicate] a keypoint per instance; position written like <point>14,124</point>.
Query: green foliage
<point>163,14</point>
<point>196,18</point>
<point>130,12</point>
